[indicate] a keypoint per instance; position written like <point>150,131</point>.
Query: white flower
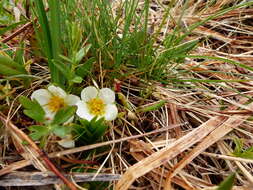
<point>97,103</point>
<point>53,99</point>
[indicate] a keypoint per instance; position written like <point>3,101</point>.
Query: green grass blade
<point>54,6</point>
<point>46,38</point>
<point>9,67</point>
<point>228,183</point>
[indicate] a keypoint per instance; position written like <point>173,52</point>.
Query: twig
<point>17,32</point>
<point>20,30</point>
<point>89,147</point>
<point>78,161</point>
<point>226,157</point>
<point>47,178</point>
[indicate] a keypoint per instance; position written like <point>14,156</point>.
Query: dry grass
<point>192,134</point>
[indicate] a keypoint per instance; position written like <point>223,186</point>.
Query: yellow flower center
<point>96,106</point>
<point>55,103</point>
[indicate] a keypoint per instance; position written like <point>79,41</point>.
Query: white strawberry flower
<point>97,103</point>
<point>53,99</point>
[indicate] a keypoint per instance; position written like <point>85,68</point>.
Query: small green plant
<point>88,132</point>
<point>49,35</point>
<point>54,110</point>
<point>11,68</point>
<point>228,183</point>
<point>73,71</point>
<point>155,106</point>
<point>56,126</point>
<point>6,17</point>
<point>239,151</point>
<point>62,43</point>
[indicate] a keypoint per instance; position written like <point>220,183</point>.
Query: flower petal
<point>49,115</point>
<point>57,91</point>
<point>89,93</point>
<point>111,112</point>
<point>107,95</point>
<point>71,100</point>
<point>82,111</point>
<point>41,95</point>
<point>67,143</point>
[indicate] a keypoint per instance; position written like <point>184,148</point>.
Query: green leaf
<point>77,79</point>
<point>246,154</point>
<point>250,149</point>
<point>228,183</point>
<point>66,59</point>
<point>89,132</point>
<point>99,132</point>
<point>49,36</point>
<point>84,122</point>
<point>155,106</point>
<point>38,131</point>
<point>239,151</point>
<point>181,49</point>
<point>123,100</point>
<point>64,115</point>
<point>177,52</point>
<point>9,67</point>
<point>84,69</point>
<point>32,109</point>
<point>55,18</point>
<point>7,50</point>
<point>64,69</point>
<point>238,146</point>
<point>19,54</point>
<point>46,36</point>
<point>81,53</point>
<point>19,58</point>
<point>61,131</point>
<point>55,31</point>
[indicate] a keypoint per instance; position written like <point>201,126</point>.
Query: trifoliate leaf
<point>89,132</point>
<point>38,131</point>
<point>61,131</point>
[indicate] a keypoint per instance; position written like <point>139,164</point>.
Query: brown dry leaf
<point>214,136</point>
<point>162,156</point>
